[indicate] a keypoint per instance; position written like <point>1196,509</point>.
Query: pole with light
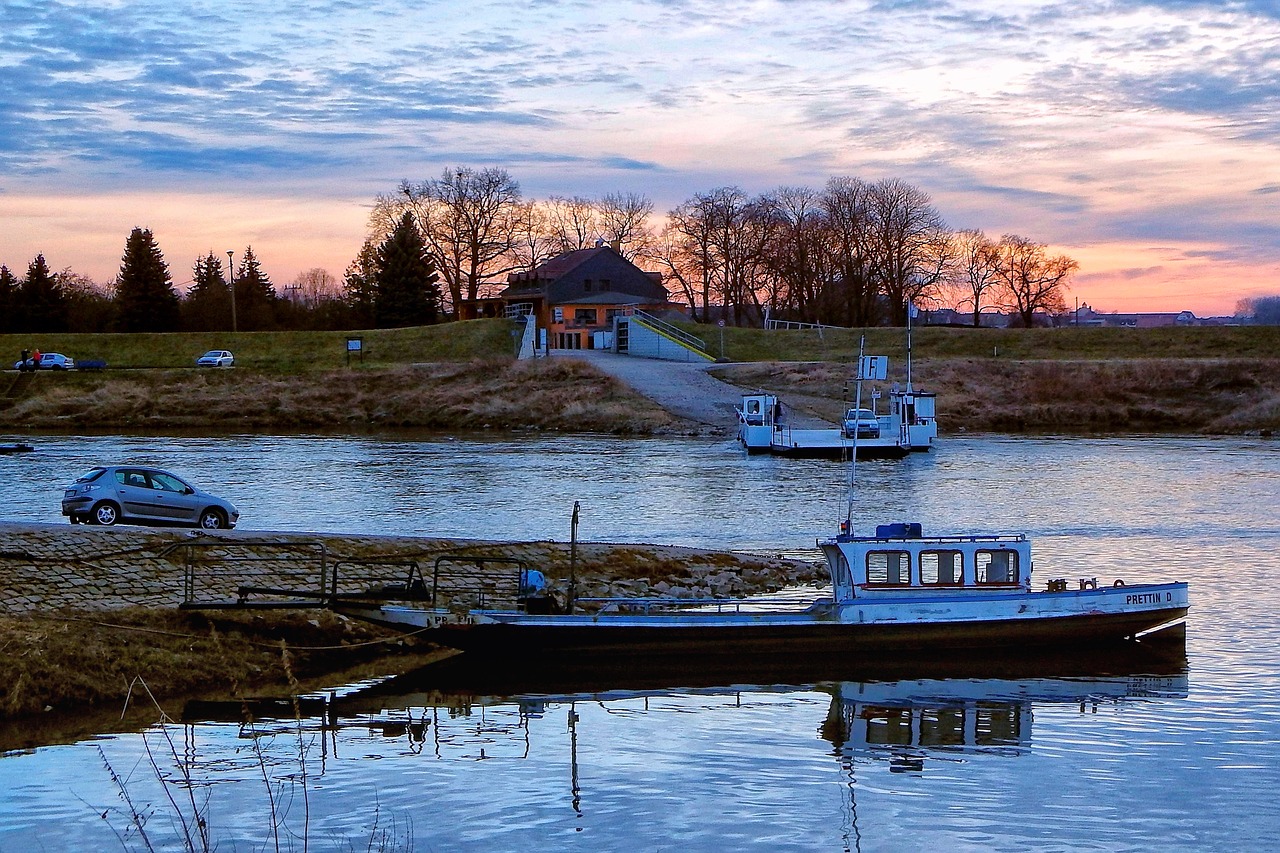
<point>231,283</point>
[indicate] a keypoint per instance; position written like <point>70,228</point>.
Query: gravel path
<point>685,389</point>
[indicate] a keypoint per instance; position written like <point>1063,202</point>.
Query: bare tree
<point>690,242</point>
<point>313,286</point>
<point>469,220</point>
<point>910,249</point>
<point>534,241</point>
<point>1031,278</point>
<point>976,275</point>
<point>798,251</point>
<point>674,251</point>
<point>573,222</point>
<point>848,216</point>
<point>624,222</point>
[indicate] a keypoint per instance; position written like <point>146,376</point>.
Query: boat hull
<point>1055,622</point>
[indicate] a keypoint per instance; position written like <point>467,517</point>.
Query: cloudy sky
<point>1141,138</point>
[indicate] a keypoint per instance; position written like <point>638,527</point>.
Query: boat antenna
<point>911,310</point>
<point>847,525</point>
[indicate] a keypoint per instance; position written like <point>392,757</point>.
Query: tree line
<point>852,253</point>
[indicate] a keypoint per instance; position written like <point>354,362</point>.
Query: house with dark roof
<point>576,295</point>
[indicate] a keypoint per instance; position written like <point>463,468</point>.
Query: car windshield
<point>90,475</point>
<point>860,414</point>
<point>213,353</point>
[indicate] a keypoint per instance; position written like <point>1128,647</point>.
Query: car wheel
<point>105,513</point>
<point>213,519</point>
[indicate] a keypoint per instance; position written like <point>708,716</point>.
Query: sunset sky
<point>1141,138</point>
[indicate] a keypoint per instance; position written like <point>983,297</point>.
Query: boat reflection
<point>899,715</point>
<point>902,723</point>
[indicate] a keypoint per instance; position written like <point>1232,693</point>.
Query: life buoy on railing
<point>1119,583</point>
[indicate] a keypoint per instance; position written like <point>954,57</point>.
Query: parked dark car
<point>134,494</point>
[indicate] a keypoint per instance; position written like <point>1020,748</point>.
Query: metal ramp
<point>220,574</point>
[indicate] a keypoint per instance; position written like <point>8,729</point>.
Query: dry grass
<point>550,394</point>
<point>1208,395</point>
<point>68,660</point>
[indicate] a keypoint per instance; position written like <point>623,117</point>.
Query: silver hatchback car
<point>135,494</point>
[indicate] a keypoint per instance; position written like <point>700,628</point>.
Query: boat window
<point>888,726</point>
<point>997,566</point>
<point>997,724</point>
<point>942,727</point>
<point>892,568</point>
<point>941,567</point>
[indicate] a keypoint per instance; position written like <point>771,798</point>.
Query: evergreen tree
<point>255,295</point>
<point>360,283</point>
<point>207,306</point>
<point>145,298</point>
<point>42,307</point>
<point>8,300</point>
<point>407,291</point>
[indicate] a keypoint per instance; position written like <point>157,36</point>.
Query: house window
<point>610,313</point>
<point>997,566</point>
<point>586,285</point>
<point>941,567</point>
<point>585,316</point>
<point>888,568</point>
<point>604,285</point>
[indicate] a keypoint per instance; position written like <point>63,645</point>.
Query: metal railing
<point>674,332</point>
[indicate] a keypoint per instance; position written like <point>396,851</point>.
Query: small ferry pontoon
<point>895,592</point>
<point>909,425</point>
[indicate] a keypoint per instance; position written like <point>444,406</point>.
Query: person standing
<point>26,354</point>
<point>35,360</point>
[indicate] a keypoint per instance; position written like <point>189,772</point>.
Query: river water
<point>1070,754</point>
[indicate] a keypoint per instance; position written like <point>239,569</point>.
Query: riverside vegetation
<point>464,376</point>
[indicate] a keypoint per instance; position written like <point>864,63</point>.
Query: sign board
<point>557,315</point>
<point>355,345</point>
<point>874,367</point>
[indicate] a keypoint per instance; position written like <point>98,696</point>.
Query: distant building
<point>1086,316</point>
<point>575,296</point>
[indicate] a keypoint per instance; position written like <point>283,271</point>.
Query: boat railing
<point>926,540</point>
<point>691,606</point>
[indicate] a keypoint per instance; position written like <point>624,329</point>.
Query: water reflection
<point>902,723</point>
<point>586,748</point>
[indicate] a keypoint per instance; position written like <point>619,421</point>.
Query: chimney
<point>616,245</point>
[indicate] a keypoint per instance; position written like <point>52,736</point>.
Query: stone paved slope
<point>685,389</point>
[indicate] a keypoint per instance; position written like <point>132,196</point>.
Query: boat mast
<point>847,525</point>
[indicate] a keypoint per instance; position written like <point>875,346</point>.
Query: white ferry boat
<point>895,592</point>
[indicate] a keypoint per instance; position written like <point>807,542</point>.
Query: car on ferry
<point>136,494</point>
<point>862,422</point>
